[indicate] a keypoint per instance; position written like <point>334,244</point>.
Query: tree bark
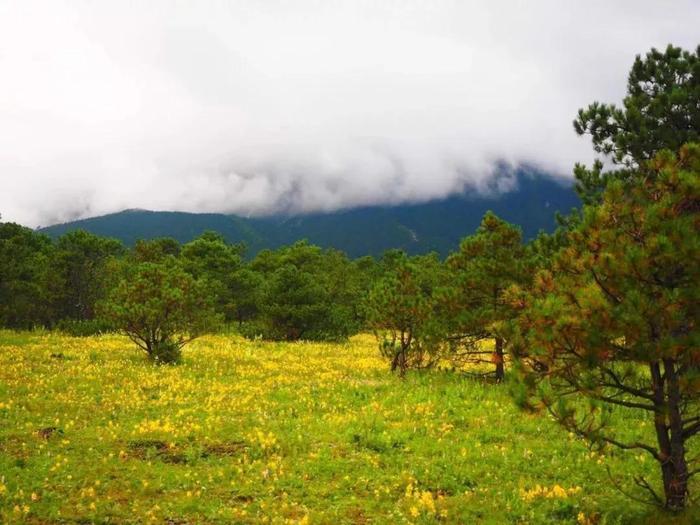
<point>395,361</point>
<point>674,472</point>
<point>668,424</point>
<point>498,359</point>
<point>675,467</point>
<point>399,362</point>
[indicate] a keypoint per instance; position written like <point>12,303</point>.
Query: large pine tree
<point>615,321</point>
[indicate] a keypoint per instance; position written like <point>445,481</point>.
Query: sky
<point>269,107</point>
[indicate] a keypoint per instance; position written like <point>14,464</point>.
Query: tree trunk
<point>402,363</point>
<point>399,362</point>
<point>498,359</point>
<point>675,477</point>
<point>675,468</point>
<point>402,356</point>
<point>668,424</point>
<point>395,361</point>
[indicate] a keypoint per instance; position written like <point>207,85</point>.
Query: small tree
<point>160,307</point>
<point>400,310</point>
<point>24,271</point>
<point>246,288</point>
<point>472,304</point>
<point>79,277</point>
<point>305,293</point>
<point>296,305</point>
<point>211,258</point>
<point>614,322</point>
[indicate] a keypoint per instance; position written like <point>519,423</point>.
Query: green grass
<point>249,432</point>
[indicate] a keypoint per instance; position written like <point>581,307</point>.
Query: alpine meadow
<point>244,374</point>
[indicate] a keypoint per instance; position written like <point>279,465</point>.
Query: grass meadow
<point>255,432</point>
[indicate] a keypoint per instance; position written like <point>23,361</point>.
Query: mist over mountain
<point>255,108</point>
<point>437,225</point>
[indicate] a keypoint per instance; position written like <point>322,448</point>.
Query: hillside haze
<point>416,228</point>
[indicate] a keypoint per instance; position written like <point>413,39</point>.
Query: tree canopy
<point>661,110</point>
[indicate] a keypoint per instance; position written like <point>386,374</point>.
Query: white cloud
<point>256,107</point>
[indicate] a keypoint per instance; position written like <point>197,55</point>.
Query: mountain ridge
<point>436,225</point>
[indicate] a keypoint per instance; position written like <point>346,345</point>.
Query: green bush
<point>84,328</point>
<point>161,308</point>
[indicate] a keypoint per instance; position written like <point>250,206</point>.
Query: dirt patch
<point>242,498</point>
<point>357,516</point>
<point>146,444</point>
<point>229,448</point>
<point>15,446</point>
<point>49,432</point>
<point>147,449</point>
<point>156,449</point>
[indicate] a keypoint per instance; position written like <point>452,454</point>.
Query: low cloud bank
<point>264,107</point>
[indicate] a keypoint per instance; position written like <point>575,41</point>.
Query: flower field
<point>254,432</point>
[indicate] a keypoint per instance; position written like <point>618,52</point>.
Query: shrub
<point>84,328</point>
<point>160,307</point>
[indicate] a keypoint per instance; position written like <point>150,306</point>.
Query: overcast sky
<point>260,107</point>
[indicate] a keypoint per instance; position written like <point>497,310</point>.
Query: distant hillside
<point>416,228</point>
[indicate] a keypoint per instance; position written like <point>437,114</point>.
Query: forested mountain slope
<point>417,228</point>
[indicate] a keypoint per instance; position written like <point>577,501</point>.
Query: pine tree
<point>660,111</point>
<point>486,264</point>
<point>401,308</point>
<point>614,322</point>
<point>161,308</point>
